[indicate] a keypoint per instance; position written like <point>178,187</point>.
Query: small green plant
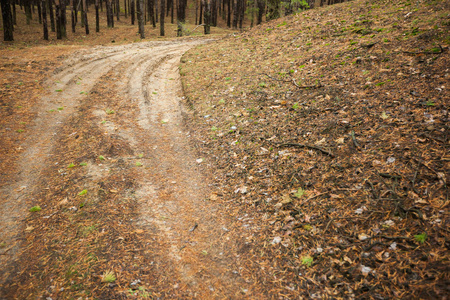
<point>60,108</point>
<point>2,245</point>
<point>214,128</point>
<point>227,78</point>
<point>430,103</point>
<point>154,93</point>
<point>295,106</point>
<point>262,84</point>
<point>20,130</point>
<point>108,277</point>
<point>421,238</point>
<point>71,165</point>
<point>307,227</point>
<point>35,208</point>
<point>83,192</point>
<point>138,164</point>
<point>221,101</point>
<point>51,110</point>
<point>109,111</point>
<point>83,164</point>
<point>103,122</point>
<point>140,155</point>
<point>300,193</point>
<point>101,157</point>
<point>307,261</point>
<point>58,91</point>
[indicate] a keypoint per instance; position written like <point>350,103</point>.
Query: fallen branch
<point>306,86</point>
<point>354,140</point>
<point>308,146</point>
<point>425,52</point>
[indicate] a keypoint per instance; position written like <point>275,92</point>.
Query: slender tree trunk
<point>126,8</point>
<point>132,11</point>
<point>97,17</point>
<point>52,16</point>
<point>181,16</point>
<point>196,12</point>
<point>171,12</point>
<point>161,17</point>
<point>8,24</point>
<point>44,19</point>
<point>261,8</point>
<point>229,13</point>
<point>63,18</point>
<point>241,13</point>
<point>38,3</point>
<point>82,13</point>
<point>28,13</point>
<point>118,10</point>
<point>207,16</point>
<point>58,21</point>
<point>156,11</point>
<point>200,17</point>
<point>13,4</point>
<point>151,11</point>
<point>140,15</point>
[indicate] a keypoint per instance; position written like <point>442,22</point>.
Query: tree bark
<point>161,18</point>
<point>28,13</point>
<point>52,16</point>
<point>97,17</point>
<point>39,11</point>
<point>151,9</point>
<point>140,15</point>
<point>44,19</point>
<point>118,10</point>
<point>261,11</point>
<point>181,16</point>
<point>132,12</point>
<point>8,24</point>
<point>14,15</point>
<point>207,16</point>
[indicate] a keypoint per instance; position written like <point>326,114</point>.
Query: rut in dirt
<point>172,195</point>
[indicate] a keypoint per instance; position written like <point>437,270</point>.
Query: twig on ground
<point>307,146</point>
<point>354,140</point>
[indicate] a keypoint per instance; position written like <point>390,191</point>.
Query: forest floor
<point>307,157</point>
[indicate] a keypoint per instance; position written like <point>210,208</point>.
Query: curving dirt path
<point>173,194</point>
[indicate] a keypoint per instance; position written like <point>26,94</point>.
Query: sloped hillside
<point>330,129</point>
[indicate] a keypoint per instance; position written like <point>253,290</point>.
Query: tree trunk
<point>8,24</point>
<point>132,12</point>
<point>229,13</point>
<point>52,16</point>
<point>63,18</point>
<point>118,10</point>
<point>81,13</point>
<point>14,15</point>
<point>200,17</point>
<point>261,8</point>
<point>58,22</point>
<point>97,17</point>
<point>207,16</point>
<point>27,6</point>
<point>274,9</point>
<point>109,14</point>
<point>140,15</point>
<point>39,11</point>
<point>161,18</point>
<point>241,12</point>
<point>151,9</point>
<point>44,19</point>
<point>181,16</point>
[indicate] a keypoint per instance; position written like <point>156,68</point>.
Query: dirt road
<point>130,95</point>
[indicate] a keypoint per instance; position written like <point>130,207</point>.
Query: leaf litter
<point>357,86</point>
